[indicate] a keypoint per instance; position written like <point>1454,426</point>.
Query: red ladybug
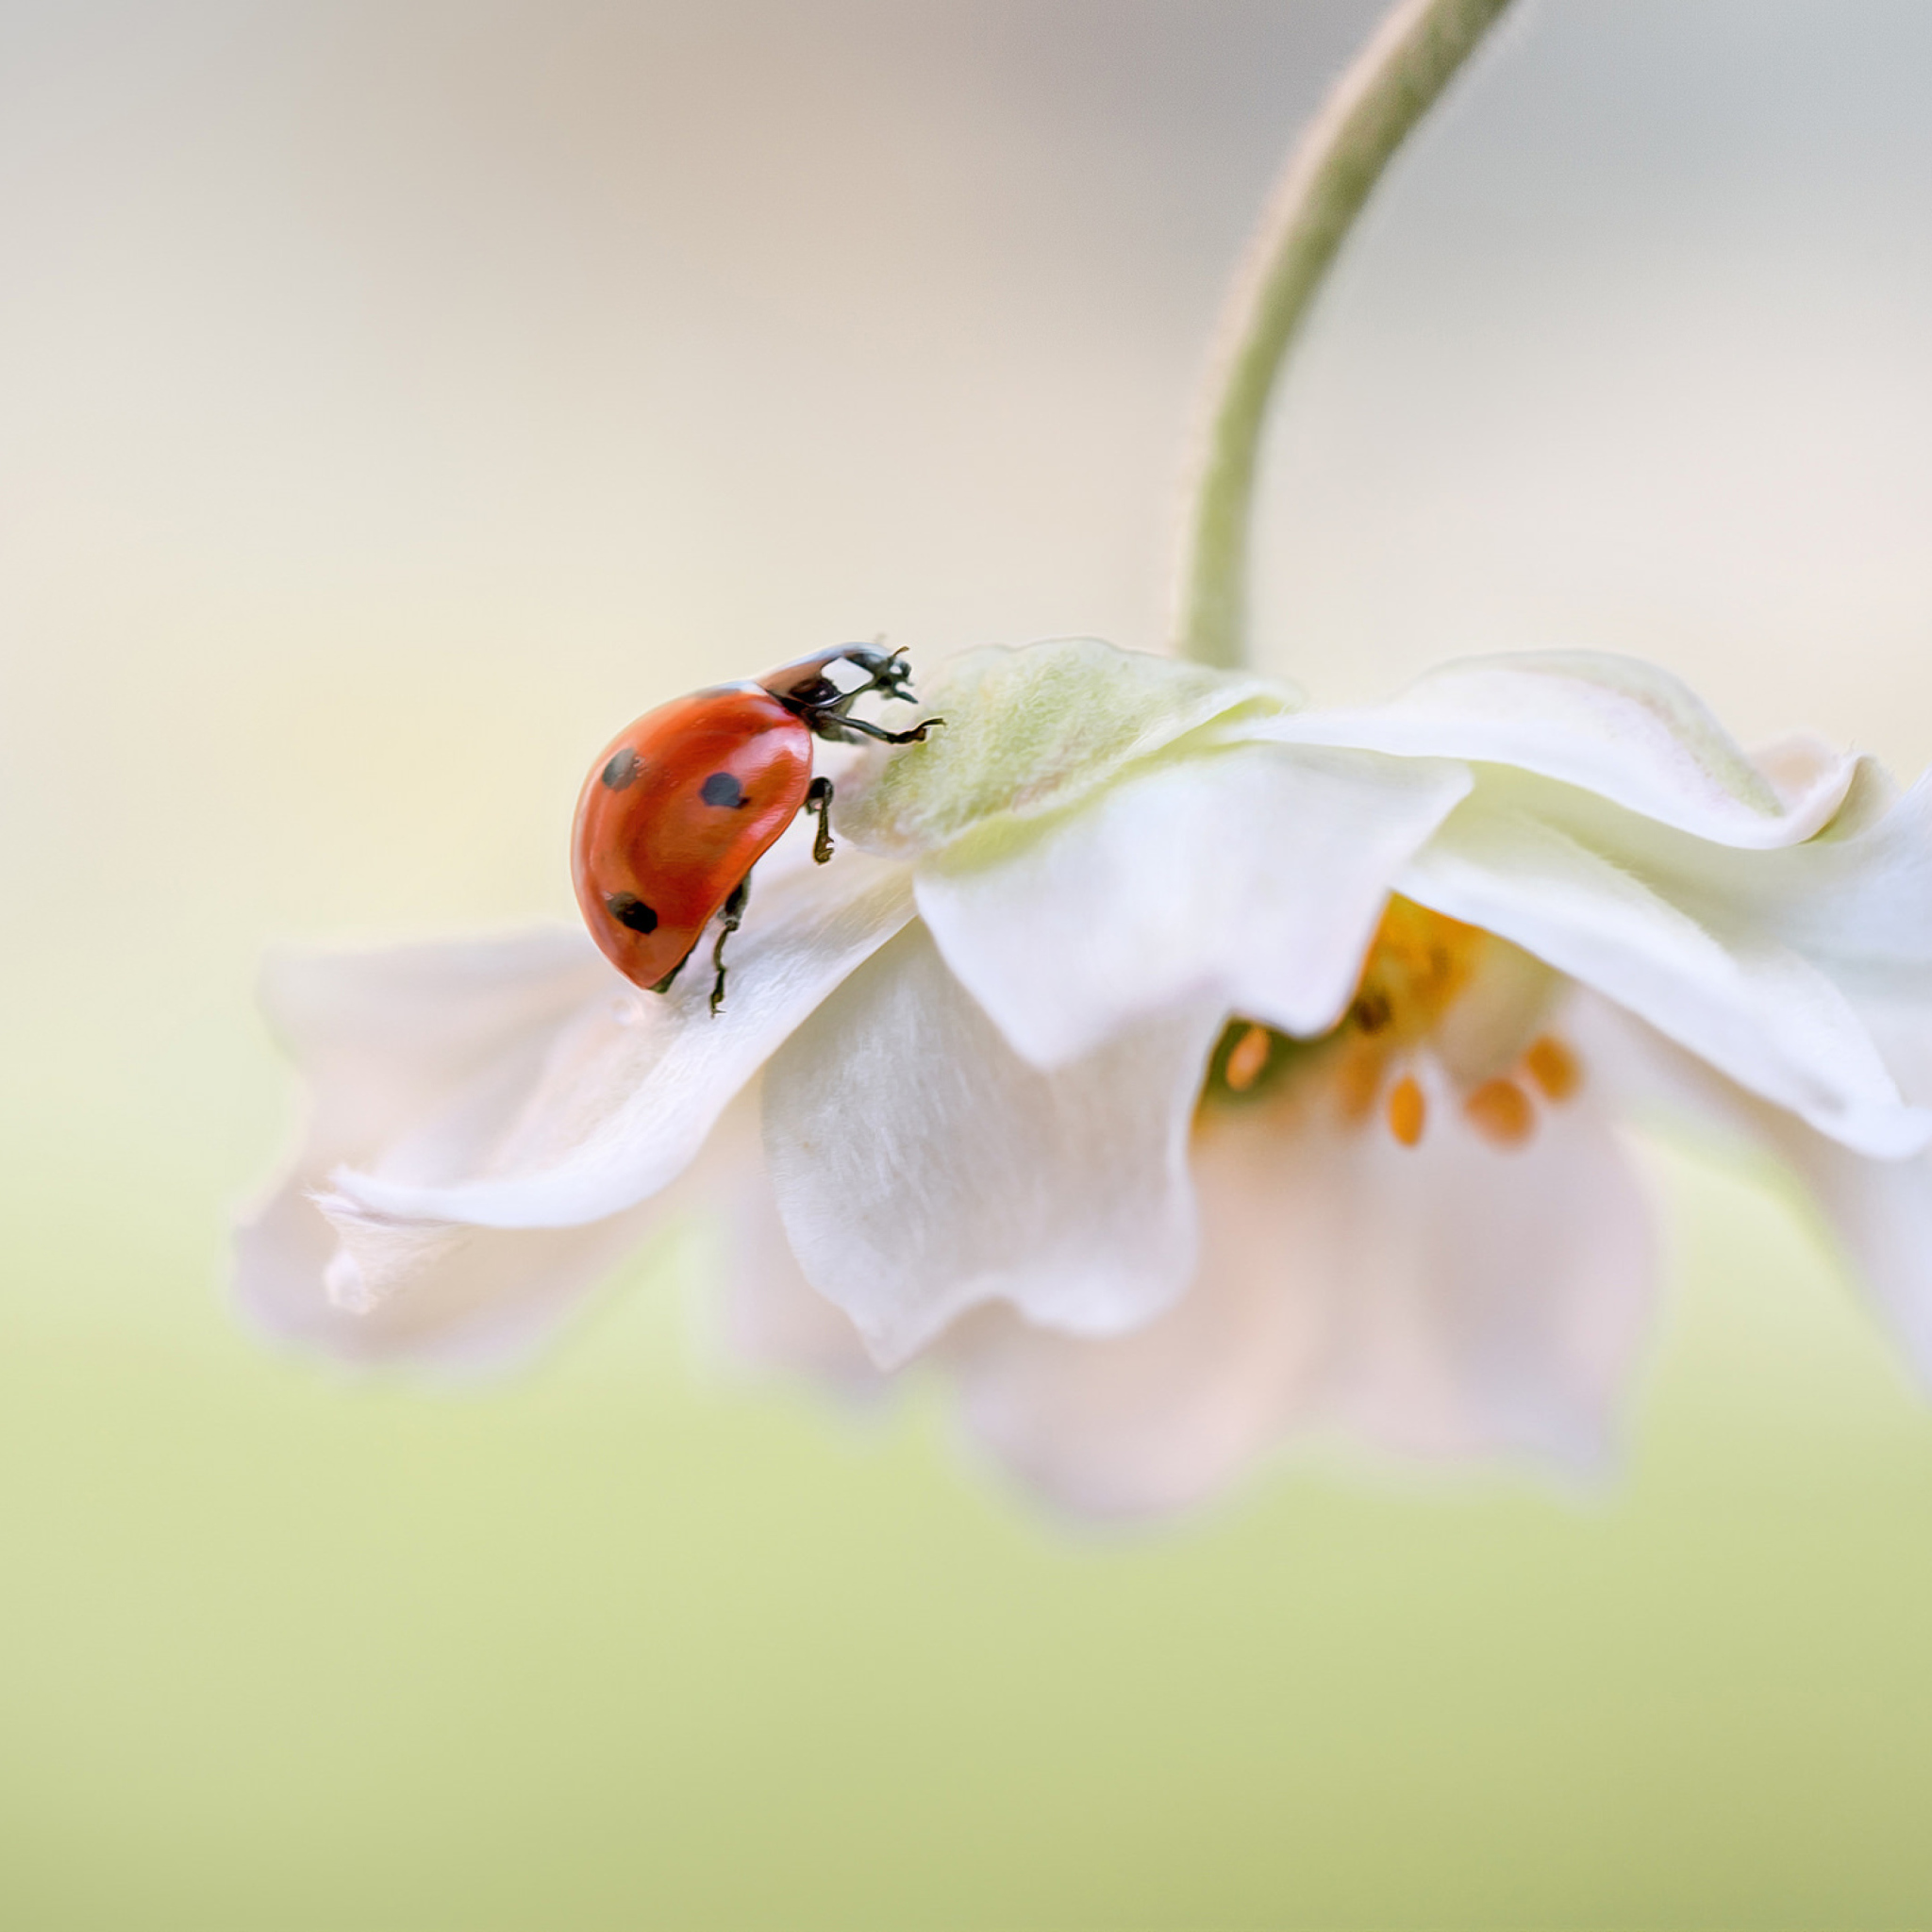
<point>680,806</point>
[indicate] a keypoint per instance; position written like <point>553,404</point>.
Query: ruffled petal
<point>1449,1300</point>
<point>1252,877</point>
<point>1856,900</point>
<point>1030,730</point>
<point>1750,1004</point>
<point>1880,1211</point>
<point>469,1300</point>
<point>921,1167</point>
<point>1616,726</point>
<point>386,1041</point>
<point>629,1085</point>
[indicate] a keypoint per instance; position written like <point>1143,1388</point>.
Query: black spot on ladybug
<point>722,788</point>
<point>623,769</point>
<point>628,909</point>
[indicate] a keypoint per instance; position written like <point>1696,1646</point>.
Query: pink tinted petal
<point>774,1318</point>
<point>768,1316</point>
<point>384,1037</point>
<point>1880,1211</point>
<point>477,1299</point>
<point>388,1042</point>
<point>1451,1300</point>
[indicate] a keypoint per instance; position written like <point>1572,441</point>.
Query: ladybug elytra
<point>683,803</point>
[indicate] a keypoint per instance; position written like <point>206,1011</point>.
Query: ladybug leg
<point>819,798</point>
<point>730,917</point>
<point>916,736</point>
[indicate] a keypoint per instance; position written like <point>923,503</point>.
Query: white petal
<point>1880,1210</point>
<point>1030,730</point>
<point>1858,898</point>
<point>631,1084</point>
<point>388,1041</point>
<point>385,1038</point>
<point>1754,1007</point>
<point>476,1299</point>
<point>1616,726</point>
<point>1449,1300</point>
<point>921,1167</point>
<point>1252,877</point>
<point>773,1317</point>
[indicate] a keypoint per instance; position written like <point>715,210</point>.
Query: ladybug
<point>682,803</point>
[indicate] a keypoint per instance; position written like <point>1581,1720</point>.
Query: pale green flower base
<point>617,1647</point>
<point>1031,730</point>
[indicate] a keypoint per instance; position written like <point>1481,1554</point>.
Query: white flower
<point>1177,1066</point>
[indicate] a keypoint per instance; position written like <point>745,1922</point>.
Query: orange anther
<point>1247,1060</point>
<point>1554,1067</point>
<point>1500,1111</point>
<point>1407,1111</point>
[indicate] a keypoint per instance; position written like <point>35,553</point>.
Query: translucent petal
<point>1449,1300</point>
<point>476,1299</point>
<point>629,1085</point>
<point>1880,1211</point>
<point>384,1037</point>
<point>1733,992</point>
<point>921,1167</point>
<point>386,1041</point>
<point>773,1317</point>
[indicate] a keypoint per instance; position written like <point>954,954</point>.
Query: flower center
<point>1431,988</point>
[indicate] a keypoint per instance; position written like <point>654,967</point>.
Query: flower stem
<point>1392,83</point>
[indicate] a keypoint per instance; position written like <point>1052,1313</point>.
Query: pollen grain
<point>1554,1067</point>
<point>1407,1111</point>
<point>1501,1112</point>
<point>1247,1060</point>
<point>1356,1081</point>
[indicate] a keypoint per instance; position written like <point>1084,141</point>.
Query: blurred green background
<point>395,398</point>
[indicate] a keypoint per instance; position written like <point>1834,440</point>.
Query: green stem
<point>1393,82</point>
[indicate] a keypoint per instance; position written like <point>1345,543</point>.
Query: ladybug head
<point>811,687</point>
<point>887,669</point>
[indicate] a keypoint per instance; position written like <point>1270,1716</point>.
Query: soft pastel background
<point>395,398</point>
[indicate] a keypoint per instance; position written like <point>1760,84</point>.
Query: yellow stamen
<point>1417,968</point>
<point>1420,964</point>
<point>1357,1079</point>
<point>1554,1067</point>
<point>1501,1112</point>
<point>1247,1060</point>
<point>1407,1111</point>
